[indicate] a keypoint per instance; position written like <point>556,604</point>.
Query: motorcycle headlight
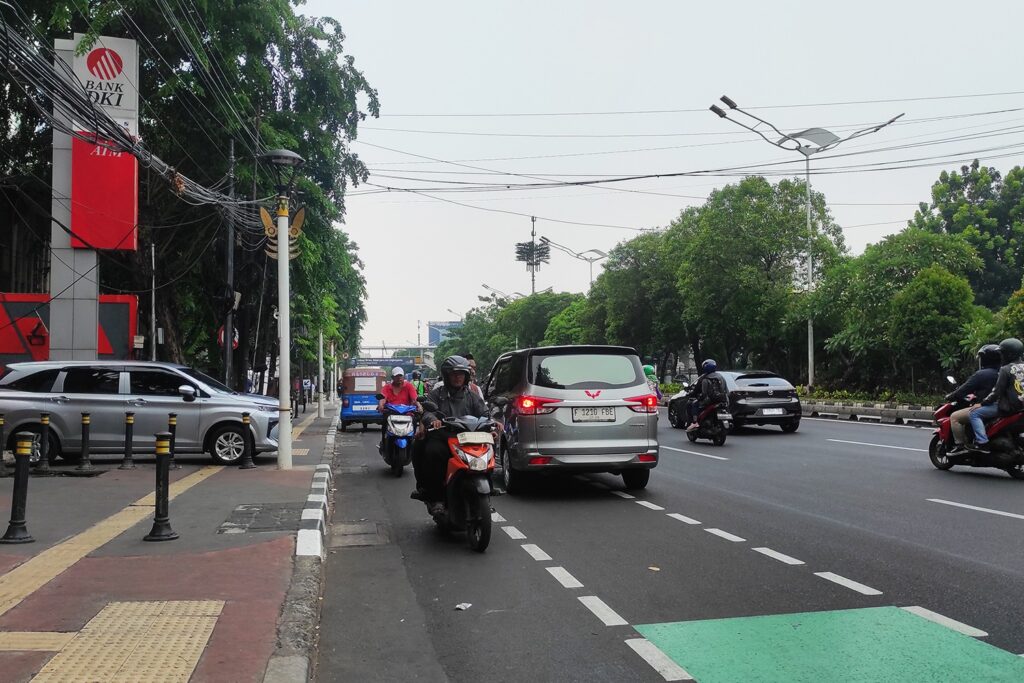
<point>477,464</point>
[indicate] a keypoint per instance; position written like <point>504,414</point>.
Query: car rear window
<point>37,382</point>
<point>762,381</point>
<point>585,371</point>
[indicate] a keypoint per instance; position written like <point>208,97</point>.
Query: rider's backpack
<point>715,389</point>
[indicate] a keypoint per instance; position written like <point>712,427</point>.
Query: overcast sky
<point>439,66</point>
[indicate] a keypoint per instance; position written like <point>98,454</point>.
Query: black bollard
<point>248,446</point>
<point>162,530</point>
<point>85,465</point>
<point>44,444</point>
<point>17,532</point>
<point>172,428</point>
<point>129,427</point>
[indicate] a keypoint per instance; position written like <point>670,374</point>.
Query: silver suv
<point>209,413</point>
<point>574,409</point>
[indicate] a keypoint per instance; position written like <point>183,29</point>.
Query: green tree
<point>1012,316</point>
<point>988,212</point>
<point>567,327</point>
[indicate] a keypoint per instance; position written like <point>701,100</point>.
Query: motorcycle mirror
<point>951,379</point>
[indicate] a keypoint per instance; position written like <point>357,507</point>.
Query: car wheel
<point>673,417</point>
<point>227,444</point>
<point>791,426</point>
<point>54,444</point>
<point>344,426</point>
<point>514,482</point>
<point>635,479</point>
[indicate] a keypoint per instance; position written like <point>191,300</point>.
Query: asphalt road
<point>831,529</point>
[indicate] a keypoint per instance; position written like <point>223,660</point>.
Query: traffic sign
<point>234,337</point>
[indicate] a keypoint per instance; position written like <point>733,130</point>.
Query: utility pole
<point>320,374</point>
<point>229,323</point>
<point>152,299</point>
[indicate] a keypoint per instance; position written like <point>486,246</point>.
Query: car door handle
<point>137,402</point>
<point>59,399</point>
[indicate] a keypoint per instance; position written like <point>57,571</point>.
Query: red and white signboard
<point>105,183</point>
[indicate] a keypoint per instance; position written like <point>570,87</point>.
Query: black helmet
<point>454,364</point>
<point>989,356</point>
<point>708,366</point>
<point>1011,350</point>
<point>415,374</point>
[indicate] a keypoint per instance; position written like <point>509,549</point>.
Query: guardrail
<point>884,413</point>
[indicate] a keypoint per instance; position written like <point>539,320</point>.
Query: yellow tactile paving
<point>300,451</point>
<point>126,642</point>
<point>25,579</point>
<point>301,427</point>
<point>24,641</point>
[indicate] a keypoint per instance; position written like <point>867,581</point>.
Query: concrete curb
<point>295,651</point>
<point>886,413</point>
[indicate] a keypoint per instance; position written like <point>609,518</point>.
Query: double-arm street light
<point>807,142</point>
<point>504,295</point>
<point>285,164</point>
<point>591,256</point>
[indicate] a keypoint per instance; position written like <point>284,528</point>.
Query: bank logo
<point>104,63</point>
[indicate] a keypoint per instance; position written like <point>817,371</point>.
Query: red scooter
<point>714,420</point>
<point>1006,440</point>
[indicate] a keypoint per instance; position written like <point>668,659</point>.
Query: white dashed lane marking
<point>647,504</point>
<point>726,535</point>
<point>879,445</point>
<point>775,555</point>
<point>658,660</point>
<point>703,455</point>
<point>683,518</point>
<point>495,517</point>
<point>535,552</point>
<point>848,583</point>
<point>513,533</point>
<point>622,494</point>
<point>606,614</point>
<point>975,508</point>
<point>565,578</point>
<point>957,626</point>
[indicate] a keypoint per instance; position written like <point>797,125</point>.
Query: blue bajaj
<point>399,427</point>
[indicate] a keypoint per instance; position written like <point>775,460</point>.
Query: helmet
<point>415,374</point>
<point>989,356</point>
<point>454,364</point>
<point>708,366</point>
<point>397,371</point>
<point>649,370</point>
<point>1011,350</point>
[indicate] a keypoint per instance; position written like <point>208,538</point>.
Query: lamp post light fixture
<point>285,164</point>
<point>808,143</point>
<point>504,295</point>
<point>595,255</point>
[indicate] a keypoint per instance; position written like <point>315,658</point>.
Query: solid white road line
<point>848,583</point>
<point>777,556</point>
<point>683,518</point>
<point>602,611</point>
<point>703,455</point>
<point>852,422</point>
<point>880,445</point>
<point>535,552</point>
<point>652,506</point>
<point>957,626</point>
<point>622,494</point>
<point>974,507</point>
<point>513,533</point>
<point>565,578</point>
<point>658,660</point>
<point>726,535</point>
<point>495,517</point>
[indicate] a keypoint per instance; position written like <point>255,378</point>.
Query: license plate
<point>359,408</point>
<point>604,414</point>
<point>724,417</point>
<point>773,411</point>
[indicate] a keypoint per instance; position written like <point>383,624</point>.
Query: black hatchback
<point>759,397</point>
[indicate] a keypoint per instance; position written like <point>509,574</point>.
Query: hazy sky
<point>439,65</point>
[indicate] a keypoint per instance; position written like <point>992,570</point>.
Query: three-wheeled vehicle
<point>359,390</point>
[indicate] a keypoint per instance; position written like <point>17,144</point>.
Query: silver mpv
<point>574,409</point>
<point>209,413</point>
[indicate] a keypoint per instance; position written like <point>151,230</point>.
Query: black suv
<point>756,397</point>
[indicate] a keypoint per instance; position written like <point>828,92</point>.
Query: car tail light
<point>540,460</point>
<point>646,457</point>
<point>536,405</point>
<point>645,404</point>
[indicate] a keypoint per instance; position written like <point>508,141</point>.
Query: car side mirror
<point>187,392</point>
<point>684,385</point>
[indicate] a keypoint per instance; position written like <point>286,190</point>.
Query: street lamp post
<point>596,256</point>
<point>817,140</point>
<point>286,166</point>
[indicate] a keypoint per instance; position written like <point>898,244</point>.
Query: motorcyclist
<point>652,380</point>
<point>473,386</point>
<point>397,392</point>
<point>430,457</point>
<point>979,385</point>
<point>1008,395</point>
<point>421,388</point>
<point>701,393</point>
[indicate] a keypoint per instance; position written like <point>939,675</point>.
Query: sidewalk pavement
<point>89,600</point>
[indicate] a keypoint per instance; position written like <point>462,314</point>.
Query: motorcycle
<point>1006,441</point>
<point>399,427</point>
<point>467,488</point>
<point>714,420</point>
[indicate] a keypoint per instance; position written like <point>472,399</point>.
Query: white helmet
<point>397,371</point>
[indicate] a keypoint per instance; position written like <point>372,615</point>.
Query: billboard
<point>439,330</point>
<point>407,363</point>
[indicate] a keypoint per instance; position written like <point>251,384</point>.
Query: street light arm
<point>560,247</point>
<point>862,132</point>
<point>764,137</point>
